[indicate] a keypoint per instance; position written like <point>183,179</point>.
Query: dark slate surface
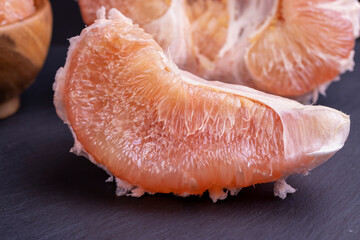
<point>48,193</point>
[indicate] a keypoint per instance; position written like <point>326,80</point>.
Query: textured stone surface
<point>48,193</point>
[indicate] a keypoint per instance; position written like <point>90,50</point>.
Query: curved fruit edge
<point>350,10</point>
<point>266,99</point>
<point>122,187</point>
<point>58,88</point>
<point>282,106</point>
<point>353,15</point>
<point>77,149</point>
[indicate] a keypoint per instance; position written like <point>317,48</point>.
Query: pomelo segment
<point>288,48</point>
<point>142,12</point>
<point>301,48</point>
<point>15,10</point>
<point>209,22</point>
<point>156,128</point>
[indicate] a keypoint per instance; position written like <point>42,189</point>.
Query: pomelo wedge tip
<point>211,136</point>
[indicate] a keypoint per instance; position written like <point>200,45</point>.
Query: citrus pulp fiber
<point>156,128</point>
<point>286,47</point>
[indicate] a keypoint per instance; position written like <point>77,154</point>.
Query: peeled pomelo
<point>286,47</point>
<point>141,11</point>
<point>305,45</point>
<point>15,10</point>
<point>159,129</point>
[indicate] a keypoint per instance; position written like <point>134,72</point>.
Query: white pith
<point>339,122</point>
<point>247,19</point>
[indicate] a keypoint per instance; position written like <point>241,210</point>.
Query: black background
<point>48,193</point>
<point>67,20</point>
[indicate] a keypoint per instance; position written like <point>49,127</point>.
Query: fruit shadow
<point>76,179</point>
